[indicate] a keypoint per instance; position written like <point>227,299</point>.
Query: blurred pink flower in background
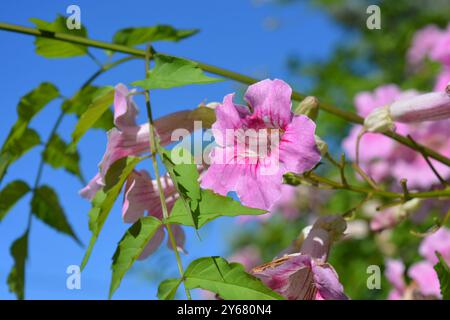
<point>258,183</point>
<point>423,43</point>
<point>425,283</point>
<point>248,256</point>
<point>433,43</point>
<point>438,241</point>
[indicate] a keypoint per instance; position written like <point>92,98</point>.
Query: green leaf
<point>79,103</point>
<point>13,151</point>
<point>443,272</point>
<point>104,199</point>
<point>45,206</point>
<point>185,177</point>
<point>21,138</point>
<point>168,288</point>
<point>94,112</point>
<point>29,105</point>
<point>57,155</point>
<point>50,48</point>
<point>16,277</point>
<point>33,102</point>
<point>10,194</point>
<point>172,72</point>
<point>228,280</point>
<point>135,36</point>
<point>211,206</point>
<point>131,247</point>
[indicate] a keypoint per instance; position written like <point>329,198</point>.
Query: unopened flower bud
<point>320,237</point>
<point>427,107</point>
<point>322,146</point>
<point>308,107</point>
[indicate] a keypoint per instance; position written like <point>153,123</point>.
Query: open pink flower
<point>142,196</point>
<point>129,139</point>
<point>256,175</point>
<point>307,275</point>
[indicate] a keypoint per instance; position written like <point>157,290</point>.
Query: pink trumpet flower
<point>306,275</point>
<point>255,173</point>
<point>129,139</point>
<point>141,196</point>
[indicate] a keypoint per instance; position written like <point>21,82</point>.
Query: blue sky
<point>234,34</point>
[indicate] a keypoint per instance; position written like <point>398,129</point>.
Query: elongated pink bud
<point>426,107</point>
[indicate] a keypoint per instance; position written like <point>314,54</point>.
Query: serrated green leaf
<point>21,138</point>
<point>443,272</point>
<point>172,72</point>
<point>10,194</point>
<point>130,248</point>
<point>211,206</point>
<point>57,155</point>
<point>45,206</point>
<point>228,280</point>
<point>79,103</point>
<point>168,288</point>
<point>185,178</point>
<point>134,36</point>
<point>13,151</point>
<point>50,48</point>
<point>29,105</point>
<point>16,277</point>
<point>104,199</point>
<point>95,111</point>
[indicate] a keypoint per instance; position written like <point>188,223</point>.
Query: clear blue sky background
<point>234,35</point>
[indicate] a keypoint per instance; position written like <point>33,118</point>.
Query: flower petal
<point>125,110</point>
<point>297,148</point>
<point>271,102</point>
<point>327,282</point>
<point>89,191</point>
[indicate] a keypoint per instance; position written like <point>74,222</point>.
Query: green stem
<point>387,194</point>
<point>343,114</point>
<point>154,147</point>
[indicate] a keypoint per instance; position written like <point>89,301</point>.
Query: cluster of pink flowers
<point>130,139</point>
<point>425,283</point>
